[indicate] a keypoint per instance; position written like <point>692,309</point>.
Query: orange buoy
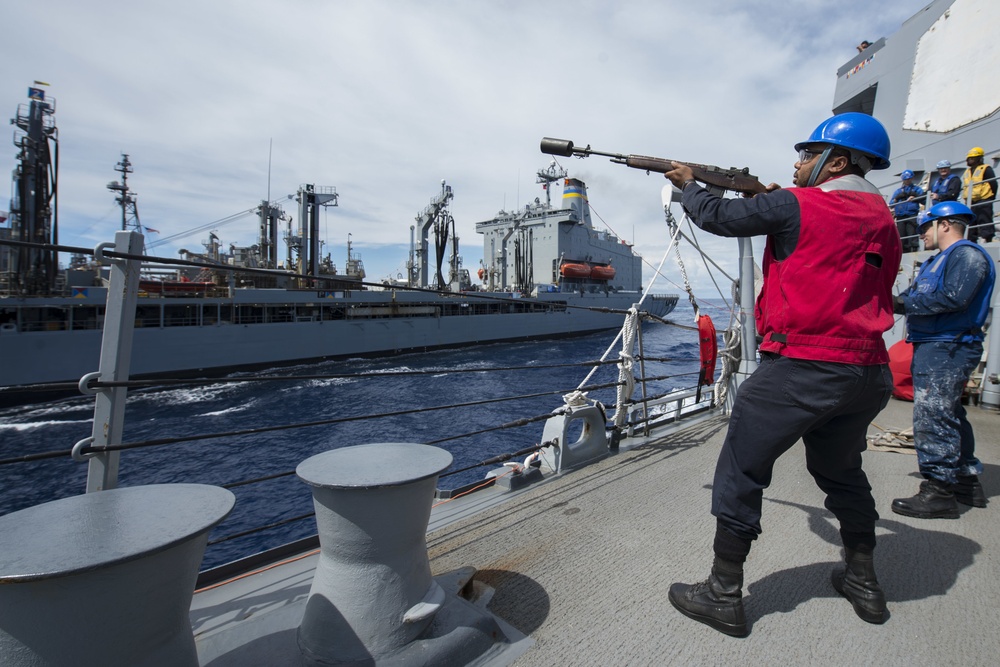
<point>708,349</point>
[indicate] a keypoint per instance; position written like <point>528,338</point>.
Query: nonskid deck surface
<point>582,562</point>
<point>583,565</point>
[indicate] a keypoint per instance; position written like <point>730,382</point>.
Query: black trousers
<point>982,227</point>
<point>829,406</point>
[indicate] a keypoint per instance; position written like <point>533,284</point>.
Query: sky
<point>222,103</point>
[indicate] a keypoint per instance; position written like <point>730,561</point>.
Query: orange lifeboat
<point>570,270</point>
<point>602,273</point>
<point>482,274</point>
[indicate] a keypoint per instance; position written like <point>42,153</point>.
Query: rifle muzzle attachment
<point>562,147</point>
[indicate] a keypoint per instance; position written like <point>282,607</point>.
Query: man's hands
<point>679,175</point>
<point>898,307</point>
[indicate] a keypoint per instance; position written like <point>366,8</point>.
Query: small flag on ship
<point>36,94</point>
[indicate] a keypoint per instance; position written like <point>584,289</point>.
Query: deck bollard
<point>373,594</point>
<point>105,578</point>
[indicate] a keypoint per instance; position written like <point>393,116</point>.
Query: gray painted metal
<point>882,85</point>
<point>990,396</point>
<point>372,598</point>
<point>105,578</point>
<point>583,562</point>
<point>748,323</point>
<point>116,359</point>
<point>580,436</point>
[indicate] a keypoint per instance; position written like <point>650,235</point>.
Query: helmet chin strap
<point>819,166</point>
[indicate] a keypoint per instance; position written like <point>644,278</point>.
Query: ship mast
<point>125,198</point>
<point>34,205</point>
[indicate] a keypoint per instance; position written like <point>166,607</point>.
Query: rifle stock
<point>737,180</point>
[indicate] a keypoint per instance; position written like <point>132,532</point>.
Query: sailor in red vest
<point>831,257</point>
<point>946,308</point>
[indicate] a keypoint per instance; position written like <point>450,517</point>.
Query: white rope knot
<point>575,399</point>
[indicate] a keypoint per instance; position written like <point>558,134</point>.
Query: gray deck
<point>582,564</point>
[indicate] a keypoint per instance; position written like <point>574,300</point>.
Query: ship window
<point>88,317</point>
<point>249,314</point>
<point>147,316</point>
<point>863,102</point>
<point>181,316</point>
<point>44,319</point>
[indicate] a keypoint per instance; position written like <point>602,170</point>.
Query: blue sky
<point>384,99</point>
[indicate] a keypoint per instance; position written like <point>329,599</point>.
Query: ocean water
<point>223,407</point>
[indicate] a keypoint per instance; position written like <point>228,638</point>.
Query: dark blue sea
<point>223,407</point>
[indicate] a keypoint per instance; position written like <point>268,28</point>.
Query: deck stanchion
<point>116,359</point>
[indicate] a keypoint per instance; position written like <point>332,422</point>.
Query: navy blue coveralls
<point>945,310</point>
<point>827,405</point>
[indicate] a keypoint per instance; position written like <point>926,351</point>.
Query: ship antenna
<point>126,197</point>
<point>270,142</point>
<point>547,177</point>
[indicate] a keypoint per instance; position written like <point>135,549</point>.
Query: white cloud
<point>383,99</point>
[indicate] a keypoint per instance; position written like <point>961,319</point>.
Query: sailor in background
<point>982,180</point>
<point>945,308</point>
<point>905,207</point>
<point>824,371</point>
<point>946,186</point>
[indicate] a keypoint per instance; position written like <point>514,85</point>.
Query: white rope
<point>626,364</point>
<point>575,399</point>
<point>675,229</point>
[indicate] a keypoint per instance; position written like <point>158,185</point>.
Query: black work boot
<point>717,602</point>
<point>857,583</point>
<point>969,491</point>
<point>935,500</point>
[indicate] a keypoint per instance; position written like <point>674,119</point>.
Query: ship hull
<point>370,325</point>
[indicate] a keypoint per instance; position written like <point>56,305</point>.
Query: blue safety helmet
<point>859,133</point>
<point>950,210</point>
<point>943,164</point>
<point>906,175</point>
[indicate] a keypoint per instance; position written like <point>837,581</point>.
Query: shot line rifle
<point>737,180</point>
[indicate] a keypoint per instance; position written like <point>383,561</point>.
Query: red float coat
<point>831,298</point>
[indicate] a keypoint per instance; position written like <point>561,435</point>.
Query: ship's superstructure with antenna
<point>548,273</point>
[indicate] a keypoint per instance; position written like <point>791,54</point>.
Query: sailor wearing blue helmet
<point>947,186</point>
<point>946,308</point>
<point>824,370</point>
<point>905,205</point>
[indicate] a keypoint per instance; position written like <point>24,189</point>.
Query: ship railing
<point>111,383</point>
<point>927,202</point>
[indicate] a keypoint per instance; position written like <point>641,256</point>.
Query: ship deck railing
<point>110,385</point>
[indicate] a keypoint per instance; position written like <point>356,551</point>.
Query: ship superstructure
<point>542,248</point>
<point>550,274</point>
<point>933,86</point>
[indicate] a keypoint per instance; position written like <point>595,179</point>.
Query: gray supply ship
<point>547,272</point>
<point>563,563</point>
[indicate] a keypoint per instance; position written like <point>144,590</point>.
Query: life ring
<point>708,350</point>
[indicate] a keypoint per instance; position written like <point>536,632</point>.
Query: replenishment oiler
<point>562,560</point>
<point>547,272</point>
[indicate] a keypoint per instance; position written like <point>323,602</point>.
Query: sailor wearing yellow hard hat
<point>981,181</point>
